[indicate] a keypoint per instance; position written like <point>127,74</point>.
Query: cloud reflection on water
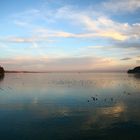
<point>59,102</point>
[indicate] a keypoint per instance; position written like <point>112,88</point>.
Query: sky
<point>42,35</point>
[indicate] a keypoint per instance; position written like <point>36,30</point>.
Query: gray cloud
<point>126,58</point>
<point>122,5</point>
<point>132,43</point>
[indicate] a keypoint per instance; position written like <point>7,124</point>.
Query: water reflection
<point>1,77</point>
<point>137,76</point>
<point>69,106</point>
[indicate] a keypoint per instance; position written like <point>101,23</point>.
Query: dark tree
<point>1,70</point>
<point>135,70</point>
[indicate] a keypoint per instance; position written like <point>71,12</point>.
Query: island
<point>135,70</point>
<point>1,71</point>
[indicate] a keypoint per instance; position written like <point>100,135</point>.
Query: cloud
<point>60,63</point>
<point>2,45</point>
<point>93,25</point>
<point>14,39</point>
<point>96,26</point>
<point>122,5</point>
<point>21,23</point>
<point>106,27</point>
<point>132,43</point>
<point>138,61</point>
<point>22,39</point>
<point>48,37</point>
<point>85,23</point>
<point>26,17</point>
<point>102,27</point>
<point>126,58</point>
<point>89,24</point>
<point>103,34</point>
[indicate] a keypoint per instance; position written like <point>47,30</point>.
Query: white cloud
<point>26,16</point>
<point>32,39</point>
<point>89,24</point>
<point>21,23</point>
<point>102,27</point>
<point>107,28</point>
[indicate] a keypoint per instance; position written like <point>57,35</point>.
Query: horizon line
<point>62,71</point>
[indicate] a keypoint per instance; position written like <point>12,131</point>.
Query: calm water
<point>70,106</point>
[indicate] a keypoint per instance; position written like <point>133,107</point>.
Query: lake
<point>70,106</point>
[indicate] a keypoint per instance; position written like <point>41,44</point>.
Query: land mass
<point>1,71</point>
<point>135,70</point>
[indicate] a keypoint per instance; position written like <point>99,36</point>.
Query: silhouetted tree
<point>135,70</point>
<point>1,70</point>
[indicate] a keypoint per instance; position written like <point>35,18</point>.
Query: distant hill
<point>1,70</point>
<point>135,70</point>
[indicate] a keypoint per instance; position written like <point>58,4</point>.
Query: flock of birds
<point>95,98</point>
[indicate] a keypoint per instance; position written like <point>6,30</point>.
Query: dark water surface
<point>70,106</point>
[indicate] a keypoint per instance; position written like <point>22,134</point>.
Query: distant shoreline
<point>65,71</point>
